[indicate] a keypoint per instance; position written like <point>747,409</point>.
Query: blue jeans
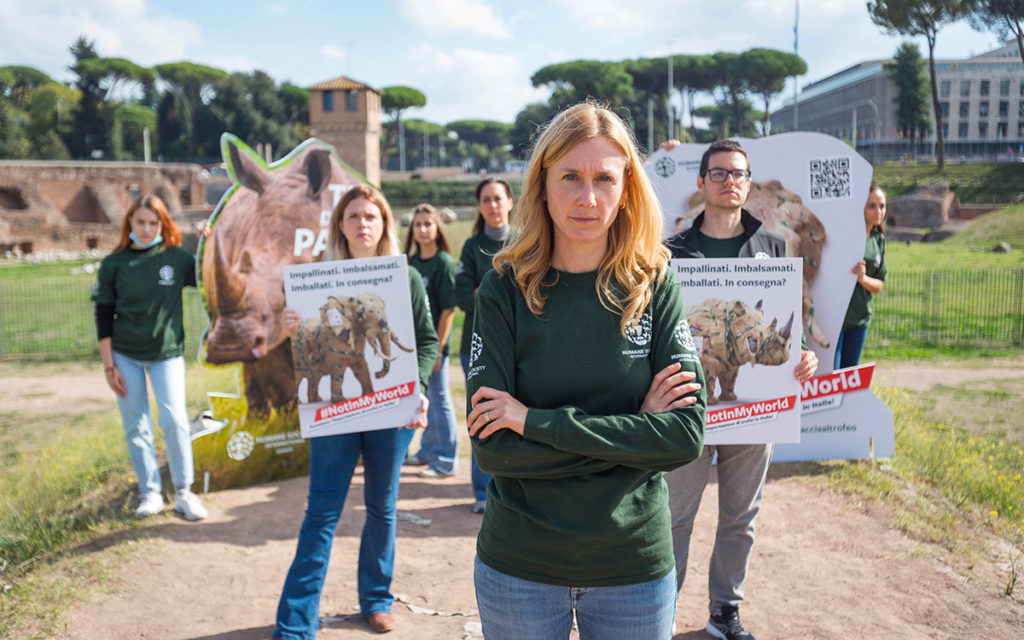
<point>332,461</point>
<point>514,609</point>
<point>167,377</point>
<point>440,439</point>
<point>849,346</point>
<point>479,478</point>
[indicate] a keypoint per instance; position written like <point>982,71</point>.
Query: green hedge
<point>442,193</point>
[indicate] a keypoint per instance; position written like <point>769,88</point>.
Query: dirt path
<point>823,567</point>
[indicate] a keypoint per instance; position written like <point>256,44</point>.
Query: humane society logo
<point>476,348</point>
<point>639,333</point>
<point>683,335</point>
<point>166,275</point>
<point>684,338</point>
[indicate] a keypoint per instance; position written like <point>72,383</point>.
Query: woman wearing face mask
<point>140,332</point>
<point>433,260</point>
<point>360,227</point>
<point>494,204</point>
<point>870,272</point>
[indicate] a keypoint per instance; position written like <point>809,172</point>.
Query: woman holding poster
<point>870,272</point>
<point>140,331</point>
<point>494,205</point>
<point>579,332</point>
<point>433,261</point>
<point>361,226</point>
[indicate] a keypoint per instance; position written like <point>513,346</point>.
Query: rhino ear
<point>247,170</point>
<point>318,170</point>
<point>758,305</point>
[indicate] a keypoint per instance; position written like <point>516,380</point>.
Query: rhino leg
<point>728,382</point>
<point>270,381</point>
<point>709,384</point>
<point>255,398</point>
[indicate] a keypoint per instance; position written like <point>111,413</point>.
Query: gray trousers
<point>741,474</point>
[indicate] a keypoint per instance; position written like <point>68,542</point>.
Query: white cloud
<point>490,86</point>
<point>452,16</point>
<point>39,33</point>
<point>332,52</point>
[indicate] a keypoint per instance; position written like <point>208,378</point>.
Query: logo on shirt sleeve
<point>476,348</point>
<point>166,275</point>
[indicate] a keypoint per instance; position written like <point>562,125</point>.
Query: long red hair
<point>172,237</point>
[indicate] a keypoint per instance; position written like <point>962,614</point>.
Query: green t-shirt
<point>858,314</point>
<point>144,287</point>
<point>720,247</point>
<point>438,275</point>
<point>579,499</point>
<point>475,262</point>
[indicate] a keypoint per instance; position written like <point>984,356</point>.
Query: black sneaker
<point>726,625</point>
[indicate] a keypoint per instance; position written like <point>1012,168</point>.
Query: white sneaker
<point>187,504</point>
<point>150,504</point>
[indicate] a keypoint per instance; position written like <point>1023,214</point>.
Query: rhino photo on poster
<point>810,188</point>
<point>354,350</point>
<point>743,316</point>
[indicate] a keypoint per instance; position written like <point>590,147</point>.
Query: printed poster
<point>744,316</point>
<point>810,188</point>
<point>354,351</point>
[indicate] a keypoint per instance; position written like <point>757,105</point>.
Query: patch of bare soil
<point>823,567</point>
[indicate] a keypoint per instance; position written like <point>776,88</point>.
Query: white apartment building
<point>982,102</point>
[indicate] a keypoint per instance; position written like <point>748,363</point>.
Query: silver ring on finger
<point>487,417</point>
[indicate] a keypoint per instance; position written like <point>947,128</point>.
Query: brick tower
<point>346,114</point>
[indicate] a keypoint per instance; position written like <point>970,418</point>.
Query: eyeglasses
<point>739,176</point>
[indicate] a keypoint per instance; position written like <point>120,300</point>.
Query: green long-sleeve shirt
<point>858,313</point>
<point>579,500</point>
<point>438,274</point>
<point>477,253</point>
<point>144,287</point>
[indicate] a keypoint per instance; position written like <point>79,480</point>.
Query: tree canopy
<point>908,74</point>
<point>1002,17</point>
<point>922,18</point>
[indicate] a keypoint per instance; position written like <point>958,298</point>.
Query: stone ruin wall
<point>80,205</point>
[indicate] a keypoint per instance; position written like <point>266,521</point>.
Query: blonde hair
<point>635,258</point>
<point>337,244</point>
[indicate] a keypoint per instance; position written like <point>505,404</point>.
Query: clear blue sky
<point>472,58</point>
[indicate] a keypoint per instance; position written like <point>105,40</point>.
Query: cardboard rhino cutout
<point>272,216</point>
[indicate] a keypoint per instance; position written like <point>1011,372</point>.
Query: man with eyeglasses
<point>725,230</point>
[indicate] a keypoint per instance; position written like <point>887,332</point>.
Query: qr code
<point>830,178</point>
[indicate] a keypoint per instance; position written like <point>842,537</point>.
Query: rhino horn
<point>787,330</point>
<point>230,286</point>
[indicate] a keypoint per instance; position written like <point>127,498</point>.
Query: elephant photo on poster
<point>329,348</point>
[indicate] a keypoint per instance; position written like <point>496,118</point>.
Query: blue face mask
<point>157,240</point>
